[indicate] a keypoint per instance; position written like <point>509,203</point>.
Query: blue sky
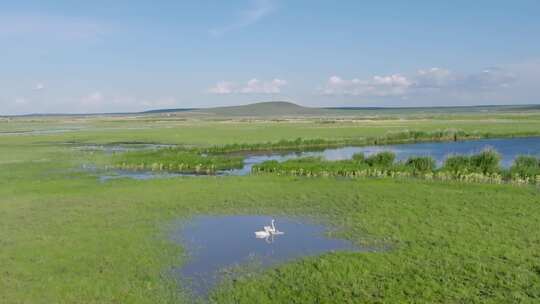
<point>102,56</point>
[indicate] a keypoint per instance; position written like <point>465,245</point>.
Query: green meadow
<point>67,237</point>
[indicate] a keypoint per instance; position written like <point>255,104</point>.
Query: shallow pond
<point>138,175</point>
<point>217,243</point>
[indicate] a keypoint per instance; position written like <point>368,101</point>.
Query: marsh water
<point>138,175</point>
<point>509,148</point>
<point>216,244</point>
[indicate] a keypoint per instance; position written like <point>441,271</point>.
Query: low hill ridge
<point>271,108</point>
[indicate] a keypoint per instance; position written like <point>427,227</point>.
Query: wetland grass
<point>67,238</point>
<point>175,160</point>
<point>481,167</point>
<point>392,137</point>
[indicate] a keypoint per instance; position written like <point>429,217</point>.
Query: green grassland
<point>207,132</point>
<point>66,237</point>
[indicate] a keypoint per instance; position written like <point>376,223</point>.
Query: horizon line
<point>188,109</point>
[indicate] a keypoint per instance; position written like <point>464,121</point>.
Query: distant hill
<point>266,109</point>
<point>159,111</point>
<point>289,109</point>
<point>276,109</point>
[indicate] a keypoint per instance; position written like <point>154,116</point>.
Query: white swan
<point>272,228</point>
<point>262,234</point>
<point>268,231</point>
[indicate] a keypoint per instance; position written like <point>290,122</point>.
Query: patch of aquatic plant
<point>383,159</point>
<point>175,160</point>
<point>380,164</point>
<point>296,144</point>
<point>526,169</point>
<point>457,163</point>
<point>311,166</point>
<point>482,167</point>
<point>485,162</point>
<point>420,165</point>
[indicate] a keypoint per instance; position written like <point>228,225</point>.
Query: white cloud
<point>223,87</point>
<point>423,80</point>
<point>488,78</point>
<point>20,101</point>
<point>39,86</point>
<point>434,78</point>
<point>259,9</point>
<point>376,86</point>
<point>93,99</point>
<point>253,86</point>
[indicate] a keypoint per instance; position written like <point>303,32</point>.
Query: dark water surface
<point>215,243</point>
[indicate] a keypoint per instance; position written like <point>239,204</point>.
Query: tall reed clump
<point>383,159</point>
<point>485,162</point>
<point>481,167</point>
<point>456,164</point>
<point>526,169</point>
<point>421,165</point>
<point>379,164</point>
<point>359,157</point>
